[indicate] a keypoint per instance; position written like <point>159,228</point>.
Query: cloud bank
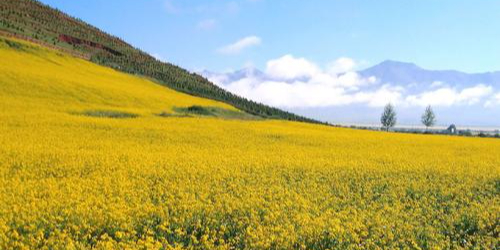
<point>293,82</point>
<point>289,67</point>
<point>450,96</point>
<point>494,101</point>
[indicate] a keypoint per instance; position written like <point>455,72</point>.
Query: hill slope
<point>70,179</point>
<point>30,19</point>
<point>37,78</point>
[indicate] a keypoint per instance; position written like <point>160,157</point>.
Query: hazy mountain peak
<point>249,71</point>
<point>388,67</point>
<point>397,64</point>
<point>403,73</point>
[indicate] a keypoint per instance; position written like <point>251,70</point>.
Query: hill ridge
<point>40,22</point>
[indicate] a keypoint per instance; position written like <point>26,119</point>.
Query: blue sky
<point>195,34</point>
<point>310,50</point>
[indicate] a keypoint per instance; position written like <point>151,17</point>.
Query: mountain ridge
<point>389,71</point>
<point>396,72</point>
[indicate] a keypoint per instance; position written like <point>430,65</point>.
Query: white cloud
<point>381,96</point>
<point>207,24</point>
<point>240,45</point>
<point>302,94</point>
<point>296,83</point>
<point>474,95</point>
<point>341,65</point>
<point>450,96</point>
<point>494,101</point>
<point>292,82</point>
<point>289,67</point>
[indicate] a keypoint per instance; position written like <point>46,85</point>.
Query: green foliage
<point>35,20</point>
<point>465,132</point>
<point>167,114</point>
<point>197,110</point>
<point>109,114</point>
<point>388,118</point>
<point>466,227</point>
<point>428,118</point>
<point>14,45</point>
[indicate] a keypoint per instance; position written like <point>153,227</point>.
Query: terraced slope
<point>29,19</point>
<point>86,162</point>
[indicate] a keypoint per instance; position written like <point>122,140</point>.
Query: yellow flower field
<point>73,181</point>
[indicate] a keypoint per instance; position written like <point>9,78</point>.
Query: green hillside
<point>32,20</point>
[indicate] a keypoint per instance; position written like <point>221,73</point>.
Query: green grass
<point>167,114</point>
<point>109,114</point>
<point>197,110</point>
<point>13,45</point>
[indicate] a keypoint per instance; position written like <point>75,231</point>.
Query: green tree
<point>428,118</point>
<point>388,118</point>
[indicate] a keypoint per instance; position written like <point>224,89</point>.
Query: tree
<point>388,118</point>
<point>428,118</point>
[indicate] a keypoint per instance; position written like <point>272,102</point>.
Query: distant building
<point>452,129</point>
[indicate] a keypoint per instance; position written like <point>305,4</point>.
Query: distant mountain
<point>392,72</point>
<point>457,97</point>
<point>401,73</point>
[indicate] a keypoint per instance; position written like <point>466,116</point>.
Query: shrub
<point>465,133</point>
<point>109,114</point>
<point>14,45</point>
